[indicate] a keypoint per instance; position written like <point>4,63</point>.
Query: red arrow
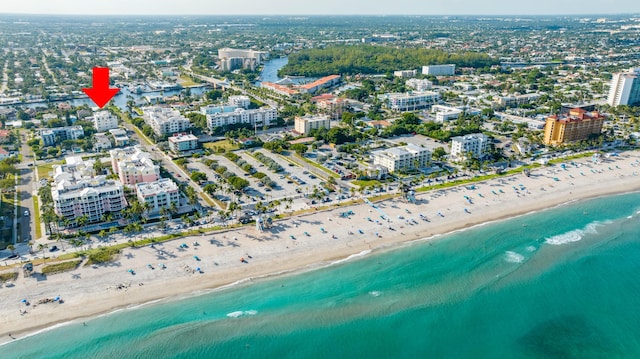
<point>100,93</point>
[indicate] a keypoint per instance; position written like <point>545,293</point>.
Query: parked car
<point>53,249</point>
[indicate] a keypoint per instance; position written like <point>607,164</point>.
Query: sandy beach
<point>298,243</point>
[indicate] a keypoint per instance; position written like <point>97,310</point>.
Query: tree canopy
<point>367,59</point>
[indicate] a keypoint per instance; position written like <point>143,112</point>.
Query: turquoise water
<point>562,283</point>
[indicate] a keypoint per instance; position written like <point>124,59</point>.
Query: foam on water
<point>240,313</point>
<point>513,257</point>
<point>531,249</point>
<point>375,293</point>
<point>574,235</point>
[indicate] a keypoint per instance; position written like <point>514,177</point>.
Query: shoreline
<point>86,300</point>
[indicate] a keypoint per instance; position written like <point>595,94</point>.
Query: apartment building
<point>303,125</point>
<point>513,101</point>
<point>475,144</point>
<point>76,192</point>
<point>402,158</point>
<point>439,70</point>
<point>132,165</point>
<point>51,136</point>
<point>419,85</point>
<point>264,116</point>
<point>405,73</point>
<point>104,120</point>
<point>159,194</point>
<point>232,59</point>
<point>239,101</point>
<point>625,88</point>
<point>164,120</point>
<point>181,142</point>
<point>577,125</point>
<point>410,101</point>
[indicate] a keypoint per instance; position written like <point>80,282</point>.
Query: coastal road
<point>25,189</point>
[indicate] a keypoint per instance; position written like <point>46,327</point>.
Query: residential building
<point>439,70</point>
<point>475,144</point>
<point>165,121</point>
<point>310,88</point>
<point>410,101</point>
<point>51,136</point>
<point>264,116</point>
<point>577,125</point>
<point>240,101</point>
<point>132,165</point>
<point>77,192</point>
<point>5,136</point>
<point>104,120</point>
<point>445,113</point>
<point>513,101</point>
<point>419,85</point>
<point>120,137</point>
<point>212,110</point>
<point>402,158</point>
<point>333,107</point>
<point>231,59</point>
<point>405,73</point>
<point>319,84</point>
<point>625,88</point>
<point>101,142</point>
<point>181,142</point>
<point>4,154</point>
<point>159,194</point>
<point>303,125</point>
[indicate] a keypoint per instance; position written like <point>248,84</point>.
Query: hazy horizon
<point>327,7</point>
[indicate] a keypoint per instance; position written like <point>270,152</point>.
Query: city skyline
<point>328,7</point>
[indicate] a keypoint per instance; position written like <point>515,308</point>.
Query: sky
<point>320,7</point>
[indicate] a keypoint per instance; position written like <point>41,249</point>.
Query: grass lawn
<point>186,81</point>
<point>36,217</point>
<point>225,144</point>
<point>61,267</point>
<point>365,183</point>
<point>43,170</point>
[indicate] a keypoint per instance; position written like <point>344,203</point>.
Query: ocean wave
<point>375,293</point>
<point>575,235</point>
<point>531,248</point>
<point>361,254</point>
<point>513,257</point>
<point>241,313</point>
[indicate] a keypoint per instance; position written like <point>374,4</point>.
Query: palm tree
<point>12,248</point>
<point>82,220</point>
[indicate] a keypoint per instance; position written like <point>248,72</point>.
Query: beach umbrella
<point>56,299</point>
<point>24,301</point>
<point>198,269</point>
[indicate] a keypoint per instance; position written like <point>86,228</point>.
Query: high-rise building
<point>475,144</point>
<point>132,165</point>
<point>231,59</point>
<point>577,125</point>
<point>439,70</point>
<point>159,194</point>
<point>625,88</point>
<point>228,116</point>
<point>165,121</point>
<point>104,120</point>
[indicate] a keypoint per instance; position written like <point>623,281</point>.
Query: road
<point>26,189</point>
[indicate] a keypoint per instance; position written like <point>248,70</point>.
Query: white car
<point>26,212</point>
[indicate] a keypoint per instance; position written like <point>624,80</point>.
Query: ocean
<point>560,283</point>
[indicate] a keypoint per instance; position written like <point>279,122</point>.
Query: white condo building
<point>439,70</point>
<point>419,85</point>
<point>159,194</point>
<point>76,192</point>
<point>231,59</point>
<point>104,121</point>
<point>240,101</point>
<point>411,101</point>
<point>445,113</point>
<point>405,73</point>
<point>165,121</point>
<point>402,158</point>
<point>259,117</point>
<point>132,165</point>
<point>303,125</point>
<point>476,144</point>
<point>625,88</point>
